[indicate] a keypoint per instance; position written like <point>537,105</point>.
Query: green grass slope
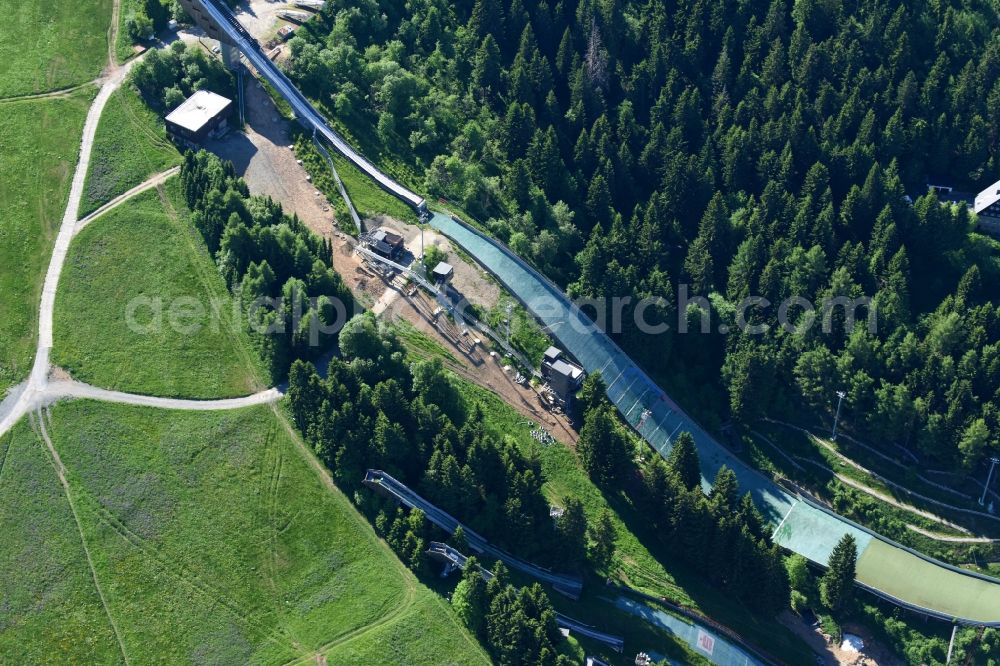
<point>131,144</point>
<point>51,45</point>
<point>147,249</point>
<point>124,46</point>
<point>424,637</point>
<point>39,145</point>
<point>368,198</point>
<point>640,561</point>
<point>216,541</point>
<point>49,603</point>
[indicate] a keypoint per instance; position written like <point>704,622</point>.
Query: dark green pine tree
<point>507,627</point>
<point>699,267</point>
<point>598,207</point>
<point>305,392</point>
<point>725,492</point>
<point>604,450</point>
<point>750,516</point>
<point>572,530</point>
<point>700,262</point>
<point>777,590</point>
<point>837,584</point>
<point>517,128</point>
<point>470,599</point>
<point>592,393</point>
<point>659,485</point>
<point>487,71</point>
<point>487,18</point>
<point>683,461</point>
<point>602,541</point>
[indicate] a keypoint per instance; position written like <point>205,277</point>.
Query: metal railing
<point>376,479</point>
<point>453,557</point>
<point>340,184</point>
<point>247,44</point>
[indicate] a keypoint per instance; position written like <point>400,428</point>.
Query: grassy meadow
<point>425,636</point>
<point>640,561</point>
<point>368,198</point>
<point>147,249</point>
<point>214,540</point>
<point>39,145</point>
<point>51,45</point>
<point>50,604</point>
<point>130,145</point>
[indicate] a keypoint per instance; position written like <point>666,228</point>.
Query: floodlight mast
<point>840,399</point>
<point>989,477</point>
<point>510,312</point>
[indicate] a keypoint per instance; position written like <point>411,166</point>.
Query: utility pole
<point>951,645</point>
<point>423,267</point>
<point>989,477</point>
<point>510,310</point>
<point>840,399</point>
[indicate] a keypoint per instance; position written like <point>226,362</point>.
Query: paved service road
<point>73,389</point>
<point>27,394</point>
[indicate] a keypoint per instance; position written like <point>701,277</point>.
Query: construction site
<point>263,154</point>
<point>383,264</point>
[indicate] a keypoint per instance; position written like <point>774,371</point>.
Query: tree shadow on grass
<point>711,601</point>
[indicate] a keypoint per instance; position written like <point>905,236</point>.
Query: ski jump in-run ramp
<point>888,569</point>
<point>216,19</point>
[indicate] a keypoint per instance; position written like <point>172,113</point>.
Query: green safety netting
<point>802,527</point>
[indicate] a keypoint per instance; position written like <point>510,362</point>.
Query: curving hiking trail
<point>38,390</point>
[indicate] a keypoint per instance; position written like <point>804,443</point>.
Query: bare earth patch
<point>469,280</point>
<point>260,17</point>
<point>262,156</point>
<point>57,374</point>
<point>828,651</point>
<point>482,369</point>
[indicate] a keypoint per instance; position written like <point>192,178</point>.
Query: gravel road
<point>38,390</point>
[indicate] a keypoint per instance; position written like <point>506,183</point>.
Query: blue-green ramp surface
<point>802,527</point>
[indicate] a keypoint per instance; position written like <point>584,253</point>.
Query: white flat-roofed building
<point>200,116</point>
<point>987,208</point>
<point>443,273</point>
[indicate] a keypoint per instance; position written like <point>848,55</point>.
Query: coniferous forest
<point>292,301</point>
<point>740,148</point>
<point>703,153</point>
